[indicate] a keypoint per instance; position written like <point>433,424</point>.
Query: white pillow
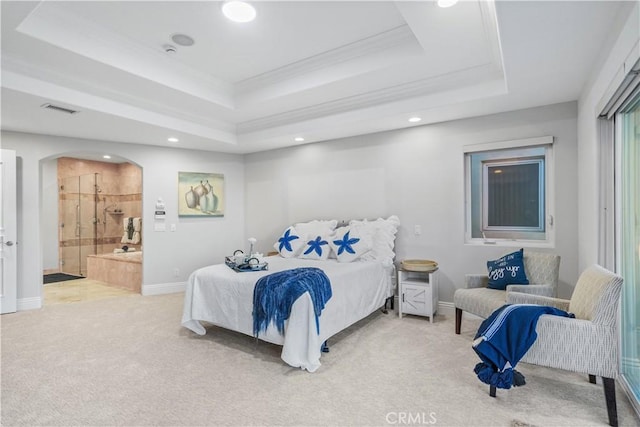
<point>316,247</point>
<point>384,234</point>
<point>316,227</point>
<point>290,243</point>
<point>350,244</point>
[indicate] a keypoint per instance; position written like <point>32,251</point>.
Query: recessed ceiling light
<point>106,156</point>
<point>298,139</point>
<point>182,40</point>
<point>447,3</point>
<point>238,11</point>
<point>173,139</point>
<point>415,119</point>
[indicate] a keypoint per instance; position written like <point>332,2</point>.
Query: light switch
<point>173,227</point>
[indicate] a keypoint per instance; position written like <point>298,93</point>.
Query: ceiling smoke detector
<point>169,49</point>
<point>59,108</point>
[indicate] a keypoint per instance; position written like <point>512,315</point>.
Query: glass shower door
<point>79,222</point>
<point>70,230</point>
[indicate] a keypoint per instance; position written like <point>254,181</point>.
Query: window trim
<point>549,192</point>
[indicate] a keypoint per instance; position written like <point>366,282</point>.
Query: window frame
<point>500,152</point>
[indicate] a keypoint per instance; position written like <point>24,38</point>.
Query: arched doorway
<point>94,245</point>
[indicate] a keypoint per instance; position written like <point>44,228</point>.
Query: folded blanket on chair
<point>504,338</point>
<point>275,294</point>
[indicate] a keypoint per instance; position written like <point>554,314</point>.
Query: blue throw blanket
<point>504,338</point>
<point>275,294</point>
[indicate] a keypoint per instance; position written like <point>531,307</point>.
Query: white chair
<point>587,344</point>
<point>542,271</point>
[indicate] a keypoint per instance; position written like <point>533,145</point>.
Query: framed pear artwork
<point>200,194</point>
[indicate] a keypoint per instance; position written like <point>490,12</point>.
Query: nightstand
<point>418,293</point>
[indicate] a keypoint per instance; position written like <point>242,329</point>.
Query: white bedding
<point>223,297</point>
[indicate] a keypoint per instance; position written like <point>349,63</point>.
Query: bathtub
<point>123,270</point>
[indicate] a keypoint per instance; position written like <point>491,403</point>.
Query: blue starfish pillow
<point>349,244</point>
<point>508,270</point>
<point>290,243</point>
<point>316,247</point>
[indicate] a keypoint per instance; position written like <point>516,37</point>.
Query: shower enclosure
<point>80,215</point>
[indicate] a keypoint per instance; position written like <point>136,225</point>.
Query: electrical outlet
<point>173,227</point>
<point>176,272</point>
<point>417,230</point>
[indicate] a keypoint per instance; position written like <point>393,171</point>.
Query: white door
<point>8,232</point>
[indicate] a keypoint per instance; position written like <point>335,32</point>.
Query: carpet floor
<point>127,361</point>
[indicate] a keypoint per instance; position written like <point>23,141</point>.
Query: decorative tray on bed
<point>245,265</point>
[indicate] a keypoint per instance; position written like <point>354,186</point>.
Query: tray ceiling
<point>317,70</point>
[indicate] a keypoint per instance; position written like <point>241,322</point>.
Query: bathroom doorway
<point>97,234</point>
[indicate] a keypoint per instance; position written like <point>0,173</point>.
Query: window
<point>508,185</point>
<point>628,236</point>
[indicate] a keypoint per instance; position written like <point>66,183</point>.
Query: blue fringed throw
<point>504,338</point>
<point>275,294</point>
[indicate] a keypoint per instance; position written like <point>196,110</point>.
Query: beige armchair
<point>541,269</point>
<point>587,344</point>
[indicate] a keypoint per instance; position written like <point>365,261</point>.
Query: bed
<point>220,296</point>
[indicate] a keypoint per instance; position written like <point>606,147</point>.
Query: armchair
<point>541,269</point>
<point>587,344</point>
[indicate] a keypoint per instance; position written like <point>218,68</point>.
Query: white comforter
<point>223,297</point>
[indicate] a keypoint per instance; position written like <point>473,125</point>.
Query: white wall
<point>417,174</point>
<point>607,75</point>
<point>49,221</point>
<point>195,243</point>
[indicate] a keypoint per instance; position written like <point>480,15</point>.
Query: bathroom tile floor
<point>80,290</point>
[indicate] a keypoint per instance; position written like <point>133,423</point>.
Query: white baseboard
<point>163,288</point>
<point>33,303</point>
<point>446,308</point>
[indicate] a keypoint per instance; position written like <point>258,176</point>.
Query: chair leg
<point>492,391</point>
<point>610,397</point>
<point>458,320</point>
<point>592,379</point>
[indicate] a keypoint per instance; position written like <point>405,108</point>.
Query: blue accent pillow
<point>290,243</point>
<point>316,248</point>
<point>349,244</point>
<point>508,270</point>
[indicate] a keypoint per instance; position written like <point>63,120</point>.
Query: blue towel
<point>275,294</point>
<point>504,338</point>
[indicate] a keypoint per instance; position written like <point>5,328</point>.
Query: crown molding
<point>417,88</point>
<point>49,23</point>
<point>43,89</point>
<point>50,75</point>
<point>383,41</point>
<point>492,33</point>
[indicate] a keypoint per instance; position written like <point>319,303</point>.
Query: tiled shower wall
<point>120,192</point>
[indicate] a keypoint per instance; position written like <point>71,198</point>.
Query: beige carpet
<point>127,361</point>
